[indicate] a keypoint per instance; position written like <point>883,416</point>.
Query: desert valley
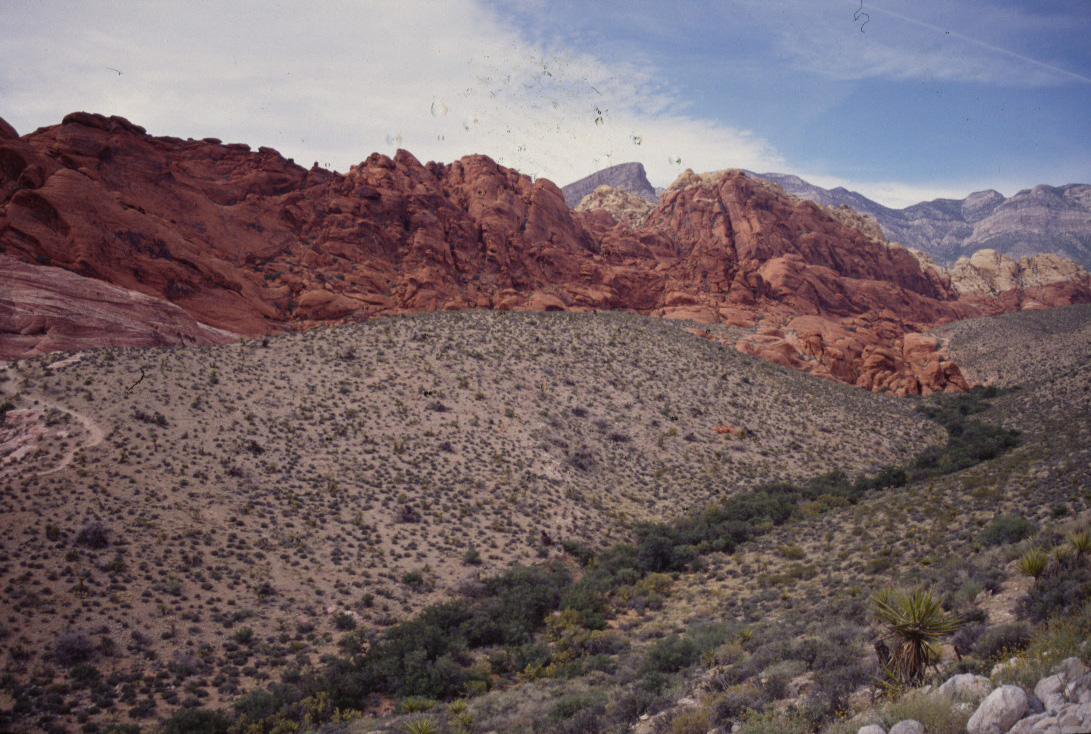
<point>423,447</point>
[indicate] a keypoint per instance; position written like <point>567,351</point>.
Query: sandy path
<point>95,434</point>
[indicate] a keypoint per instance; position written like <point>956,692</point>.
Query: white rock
<point>999,711</point>
<point>966,687</point>
<point>871,729</point>
<point>1040,724</point>
<point>1051,691</point>
<point>909,726</point>
<point>1071,668</point>
<point>1078,690</point>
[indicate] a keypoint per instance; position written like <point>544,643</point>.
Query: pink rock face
<point>44,309</point>
<point>250,243</point>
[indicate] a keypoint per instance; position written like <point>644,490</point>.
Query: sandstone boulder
<point>965,687</point>
<point>999,711</point>
<point>908,726</point>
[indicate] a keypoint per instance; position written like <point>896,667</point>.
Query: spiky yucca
<point>915,621</point>
<point>420,725</point>
<point>1033,563</point>
<point>1081,542</point>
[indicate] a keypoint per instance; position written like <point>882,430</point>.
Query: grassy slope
<point>272,488</point>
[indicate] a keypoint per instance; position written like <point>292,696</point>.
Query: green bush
<point>670,655</point>
<point>1057,593</point>
<point>568,706</point>
<point>1005,640</point>
<point>1007,529</point>
<point>197,721</point>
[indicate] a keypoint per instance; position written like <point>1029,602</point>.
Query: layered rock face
<point>45,309</point>
<point>249,242</point>
<point>1045,219</point>
<point>628,177</point>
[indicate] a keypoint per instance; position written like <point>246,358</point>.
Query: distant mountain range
<point>1053,219</point>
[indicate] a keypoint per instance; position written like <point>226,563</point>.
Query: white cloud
<point>333,82</point>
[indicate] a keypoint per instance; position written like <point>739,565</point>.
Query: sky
<point>901,100</point>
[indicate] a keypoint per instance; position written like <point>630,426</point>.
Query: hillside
<point>778,637</point>
<point>158,502</point>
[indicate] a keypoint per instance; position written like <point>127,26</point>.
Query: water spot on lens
<point>394,139</point>
<point>439,109</point>
<point>674,160</point>
<point>638,139</point>
<point>469,123</point>
<point>439,138</point>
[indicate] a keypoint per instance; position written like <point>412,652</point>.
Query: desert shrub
<point>1001,641</point>
<point>965,639</point>
<point>261,703</point>
<point>1057,594</point>
<point>731,704</point>
<point>472,556</point>
<point>72,647</point>
<point>1007,529</point>
<point>528,656</point>
<point>937,715</point>
<point>670,655</point>
<point>344,622</point>
<point>416,704</point>
<point>93,535</point>
<point>1062,637</point>
<point>690,721</point>
<point>197,721</point>
<point>568,706</point>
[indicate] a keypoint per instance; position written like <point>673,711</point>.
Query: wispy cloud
<point>864,39</point>
<point>334,82</point>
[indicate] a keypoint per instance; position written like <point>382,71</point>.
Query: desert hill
<point>251,243</point>
<point>158,502</point>
<point>185,524</point>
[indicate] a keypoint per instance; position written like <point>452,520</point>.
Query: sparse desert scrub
<point>287,462</point>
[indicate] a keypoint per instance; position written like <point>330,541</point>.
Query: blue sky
<point>902,100</point>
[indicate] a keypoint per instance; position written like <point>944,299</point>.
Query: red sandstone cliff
<point>249,242</point>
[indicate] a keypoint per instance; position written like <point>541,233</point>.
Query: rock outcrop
<point>249,242</point>
<point>628,177</point>
<point>45,309</point>
<point>629,209</point>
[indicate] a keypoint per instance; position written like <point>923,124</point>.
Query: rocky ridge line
<point>249,242</point>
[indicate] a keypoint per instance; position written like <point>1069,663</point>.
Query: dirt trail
<point>93,432</point>
<point>94,437</point>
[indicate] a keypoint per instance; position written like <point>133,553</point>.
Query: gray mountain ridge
<point>629,177</point>
<point>1045,218</point>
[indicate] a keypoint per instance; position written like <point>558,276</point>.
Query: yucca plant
<point>915,621</point>
<point>1033,563</point>
<point>1080,541</point>
<point>420,725</point>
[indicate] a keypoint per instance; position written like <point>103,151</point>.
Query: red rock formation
<point>250,242</point>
